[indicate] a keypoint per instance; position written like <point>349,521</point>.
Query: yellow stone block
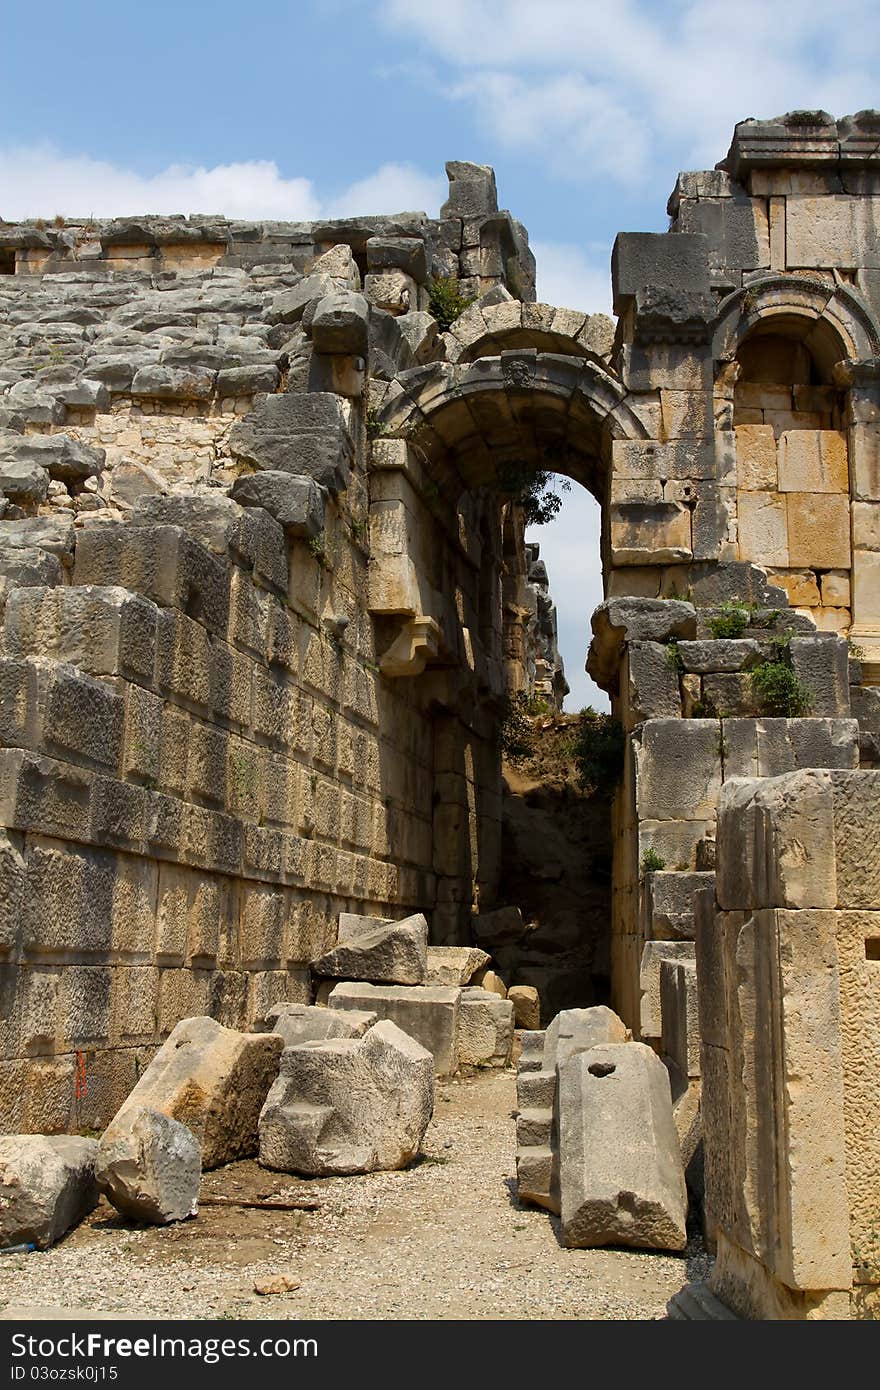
<point>813,461</point>
<point>800,585</point>
<point>763,534</point>
<point>755,458</point>
<point>818,530</point>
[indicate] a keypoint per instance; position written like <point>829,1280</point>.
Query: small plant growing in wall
<point>376,428</point>
<point>777,689</point>
<point>446,302</point>
<point>652,862</point>
<point>732,621</point>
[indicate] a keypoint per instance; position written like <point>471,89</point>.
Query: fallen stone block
<point>491,980</point>
<point>428,1013</point>
<point>455,965</point>
<point>212,1079</point>
<point>150,1167</point>
<point>299,1023</point>
<point>47,1185</point>
<point>349,1105</point>
<point>381,952</point>
<point>485,1029</point>
<point>620,1172</point>
<point>526,1005</point>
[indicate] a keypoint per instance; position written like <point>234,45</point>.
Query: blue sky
<point>586,108</point>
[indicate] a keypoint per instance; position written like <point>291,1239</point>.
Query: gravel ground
<point>445,1239</point>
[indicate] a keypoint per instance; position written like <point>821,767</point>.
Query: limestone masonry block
<point>620,1172</point>
<point>428,1013</point>
<point>47,1185</point>
<point>349,1105</point>
<point>382,952</point>
<point>818,530</point>
<point>212,1079</point>
<point>813,461</point>
<point>149,1167</point>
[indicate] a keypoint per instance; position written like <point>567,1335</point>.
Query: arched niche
<point>781,343</point>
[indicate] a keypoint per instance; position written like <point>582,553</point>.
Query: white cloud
<point>41,181</point>
<point>570,280</point>
<point>599,88</point>
<point>393,188</point>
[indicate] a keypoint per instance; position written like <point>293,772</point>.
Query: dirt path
<point>445,1239</point>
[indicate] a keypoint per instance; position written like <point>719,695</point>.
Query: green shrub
<point>534,488</point>
<point>778,690</point>
<point>597,752</point>
<point>732,621</point>
<point>446,301</point>
<point>515,733</point>
<point>651,860</point>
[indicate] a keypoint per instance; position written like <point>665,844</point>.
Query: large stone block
<point>654,953</point>
<point>818,530</point>
<point>652,683</point>
<point>813,461</point>
<point>212,1079</point>
<point>299,504</point>
<point>620,1172</point>
<point>161,563</point>
<point>455,965</point>
<point>669,903</point>
<point>149,1167</point>
<point>654,259</point>
<point>577,1030</point>
<point>620,620</point>
<point>428,1013</point>
<point>678,769</point>
<point>299,1023</point>
<point>379,951</point>
<point>340,324</point>
<point>822,665</point>
<point>47,1185</point>
<point>349,1105</point>
<point>305,434</point>
<point>485,1028</point>
<point>776,843</point>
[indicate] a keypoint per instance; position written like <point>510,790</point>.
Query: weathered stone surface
<point>620,620</point>
<point>680,1019</point>
<point>341,324</point>
<point>653,955</point>
<point>669,903</point>
<point>302,434</point>
<point>149,1166</point>
<point>428,1013</point>
<point>652,682</point>
<point>485,1028</point>
<point>298,503</point>
<point>577,1030</point>
<point>299,1023</point>
<point>384,952</point>
<point>212,1079</point>
<point>349,1105</point>
<point>526,1005</point>
<point>454,965</point>
<point>47,1185</point>
<point>62,456</point>
<point>620,1172</point>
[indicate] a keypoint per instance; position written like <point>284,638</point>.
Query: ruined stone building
<point>264,591</point>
